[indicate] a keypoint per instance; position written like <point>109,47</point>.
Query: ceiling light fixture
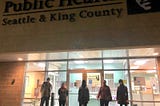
<point>42,65</point>
<point>79,62</point>
<point>155,54</point>
<point>140,62</point>
<point>134,67</point>
<point>20,59</point>
<point>108,61</point>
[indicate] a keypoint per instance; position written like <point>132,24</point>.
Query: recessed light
<point>108,61</point>
<point>134,67</point>
<point>140,62</point>
<point>79,62</point>
<point>20,59</point>
<point>155,54</point>
<point>42,65</point>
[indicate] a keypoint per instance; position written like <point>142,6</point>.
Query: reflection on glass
<point>90,64</point>
<point>57,78</point>
<point>57,65</point>
<point>115,64</point>
<point>33,81</point>
<point>35,66</point>
<point>94,83</point>
<point>144,52</point>
<point>112,80</point>
<point>114,53</point>
<point>145,86</point>
<point>75,81</point>
<point>142,64</point>
<point>37,56</point>
<point>85,54</point>
<point>56,56</point>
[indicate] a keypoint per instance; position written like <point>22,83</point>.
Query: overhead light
<point>134,67</point>
<point>20,59</point>
<point>151,71</point>
<point>79,62</point>
<point>42,65</point>
<point>140,62</point>
<point>108,61</point>
<point>155,54</point>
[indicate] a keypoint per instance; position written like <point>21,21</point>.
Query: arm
<point>88,94</point>
<point>66,92</point>
<point>79,94</point>
<point>42,88</point>
<point>99,93</point>
<point>109,91</point>
<point>59,91</point>
<point>126,94</point>
<point>117,93</point>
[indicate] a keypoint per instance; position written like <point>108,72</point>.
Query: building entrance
<point>93,79</point>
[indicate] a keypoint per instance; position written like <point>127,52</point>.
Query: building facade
<point>71,40</point>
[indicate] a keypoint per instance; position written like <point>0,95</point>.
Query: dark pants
<point>104,102</point>
<point>123,104</point>
<point>62,103</point>
<point>85,104</point>
<point>44,99</point>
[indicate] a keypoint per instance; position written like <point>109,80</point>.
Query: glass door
<point>75,80</point>
<point>93,79</point>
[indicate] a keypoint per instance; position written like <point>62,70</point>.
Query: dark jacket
<point>63,93</point>
<point>105,93</point>
<point>122,95</point>
<point>46,89</point>
<point>83,95</point>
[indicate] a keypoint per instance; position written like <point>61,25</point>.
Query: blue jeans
<point>104,102</point>
<point>44,99</point>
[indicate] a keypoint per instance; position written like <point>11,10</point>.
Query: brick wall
<point>11,83</point>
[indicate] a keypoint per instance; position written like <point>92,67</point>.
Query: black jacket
<point>122,95</point>
<point>63,93</point>
<point>83,95</point>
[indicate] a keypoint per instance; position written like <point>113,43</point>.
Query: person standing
<point>122,94</point>
<point>63,93</point>
<point>104,94</point>
<point>83,94</point>
<point>45,92</point>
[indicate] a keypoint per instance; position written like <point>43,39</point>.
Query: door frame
<point>84,75</point>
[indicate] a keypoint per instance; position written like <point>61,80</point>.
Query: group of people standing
<point>104,94</point>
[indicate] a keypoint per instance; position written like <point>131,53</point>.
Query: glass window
<point>57,65</point>
<point>90,64</point>
<point>144,52</point>
<point>114,53</point>
<point>146,63</point>
<point>115,64</point>
<point>37,56</point>
<point>35,66</point>
<point>57,78</point>
<point>112,80</point>
<point>57,56</point>
<point>33,82</point>
<point>85,54</point>
<point>145,86</point>
<point>75,80</point>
